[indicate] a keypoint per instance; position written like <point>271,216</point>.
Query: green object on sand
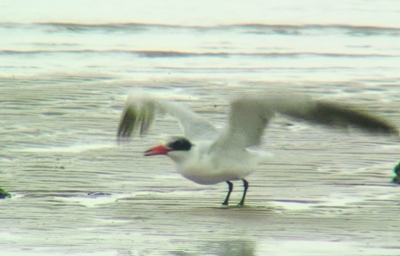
<point>396,178</point>
<point>4,194</point>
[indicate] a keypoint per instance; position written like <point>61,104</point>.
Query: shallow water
<point>64,79</point>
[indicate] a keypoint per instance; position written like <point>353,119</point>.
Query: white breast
<point>202,167</point>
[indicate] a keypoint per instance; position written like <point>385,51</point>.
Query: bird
<point>207,155</point>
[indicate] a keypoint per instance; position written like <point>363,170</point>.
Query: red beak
<point>157,150</point>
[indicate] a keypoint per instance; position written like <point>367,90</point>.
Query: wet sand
<point>76,192</point>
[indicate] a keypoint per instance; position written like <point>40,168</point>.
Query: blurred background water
<point>66,68</point>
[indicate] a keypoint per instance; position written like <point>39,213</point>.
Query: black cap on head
<point>180,143</point>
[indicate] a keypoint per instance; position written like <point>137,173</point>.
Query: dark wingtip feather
<point>127,124</point>
<point>136,116</point>
<point>344,116</point>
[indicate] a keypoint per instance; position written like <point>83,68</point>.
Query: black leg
<point>230,185</point>
<point>246,186</point>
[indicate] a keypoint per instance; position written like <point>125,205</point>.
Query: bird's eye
<point>176,144</point>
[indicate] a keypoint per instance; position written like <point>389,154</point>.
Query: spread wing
<point>140,112</point>
<point>249,117</point>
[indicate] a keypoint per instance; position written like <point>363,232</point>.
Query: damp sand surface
<point>63,82</point>
<point>77,192</point>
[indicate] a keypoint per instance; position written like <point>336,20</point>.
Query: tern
<point>206,155</point>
